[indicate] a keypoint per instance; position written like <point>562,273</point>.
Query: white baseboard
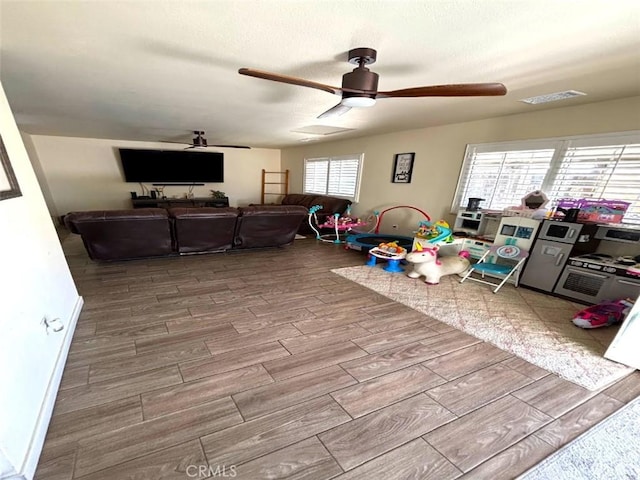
<point>30,463</point>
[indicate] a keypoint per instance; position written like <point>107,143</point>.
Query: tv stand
<point>180,202</point>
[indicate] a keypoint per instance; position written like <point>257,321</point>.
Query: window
<point>335,176</point>
<point>597,167</point>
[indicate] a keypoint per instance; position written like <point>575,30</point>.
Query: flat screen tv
<point>172,166</point>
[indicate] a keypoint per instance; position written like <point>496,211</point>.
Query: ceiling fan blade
<point>177,143</point>
<point>206,146</point>
<point>460,90</point>
<point>290,80</point>
<point>336,111</point>
<point>231,146</point>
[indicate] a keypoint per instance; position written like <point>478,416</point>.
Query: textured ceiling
<point>155,70</point>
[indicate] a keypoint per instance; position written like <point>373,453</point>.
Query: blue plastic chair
<point>503,262</point>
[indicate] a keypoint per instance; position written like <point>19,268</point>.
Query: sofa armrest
<point>123,234</point>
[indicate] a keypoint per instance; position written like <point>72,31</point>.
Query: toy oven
<point>472,223</point>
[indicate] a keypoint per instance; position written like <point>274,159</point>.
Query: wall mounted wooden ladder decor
<point>279,182</point>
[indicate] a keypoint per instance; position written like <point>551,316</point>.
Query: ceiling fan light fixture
<point>358,101</point>
<point>336,111</point>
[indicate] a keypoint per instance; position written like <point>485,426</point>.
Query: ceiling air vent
<point>321,130</point>
<point>553,97</point>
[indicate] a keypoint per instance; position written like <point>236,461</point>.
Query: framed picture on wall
<point>402,167</point>
<point>9,187</point>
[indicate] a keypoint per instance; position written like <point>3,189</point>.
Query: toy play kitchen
<point>587,262</point>
<point>595,277</point>
<point>610,273</point>
<point>556,242</point>
<point>471,221</point>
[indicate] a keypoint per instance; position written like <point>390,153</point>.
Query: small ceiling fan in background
<point>360,86</point>
<point>200,142</point>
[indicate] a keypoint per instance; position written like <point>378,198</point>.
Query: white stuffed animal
<point>426,263</point>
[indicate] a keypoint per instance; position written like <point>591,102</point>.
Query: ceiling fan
<point>199,141</point>
<point>360,87</point>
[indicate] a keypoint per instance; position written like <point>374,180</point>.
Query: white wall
<point>42,180</point>
<point>36,283</point>
<point>85,173</point>
<point>440,150</point>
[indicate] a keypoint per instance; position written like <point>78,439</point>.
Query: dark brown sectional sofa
<point>149,232</point>
<point>203,229</point>
<point>330,205</point>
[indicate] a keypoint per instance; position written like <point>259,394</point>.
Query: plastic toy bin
<point>609,211</point>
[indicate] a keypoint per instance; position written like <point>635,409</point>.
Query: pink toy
<point>603,314</point>
<point>426,263</point>
<point>336,222</point>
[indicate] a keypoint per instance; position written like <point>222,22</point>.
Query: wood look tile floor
<point>265,365</point>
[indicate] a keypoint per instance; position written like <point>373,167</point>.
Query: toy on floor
<point>604,314</point>
<point>391,248</point>
<point>392,252</point>
<point>363,242</point>
<point>340,224</point>
<point>427,264</point>
<point>344,221</point>
<point>434,232</point>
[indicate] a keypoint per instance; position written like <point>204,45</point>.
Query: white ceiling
<point>155,70</point>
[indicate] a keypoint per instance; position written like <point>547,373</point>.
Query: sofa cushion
<point>268,225</point>
<point>204,229</point>
<point>123,234</point>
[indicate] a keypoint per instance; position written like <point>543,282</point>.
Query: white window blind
<point>595,167</point>
<point>610,172</point>
<point>336,176</point>
<point>503,178</point>
<point>315,176</point>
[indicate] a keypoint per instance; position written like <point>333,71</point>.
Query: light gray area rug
<point>610,450</point>
<point>528,324</point>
